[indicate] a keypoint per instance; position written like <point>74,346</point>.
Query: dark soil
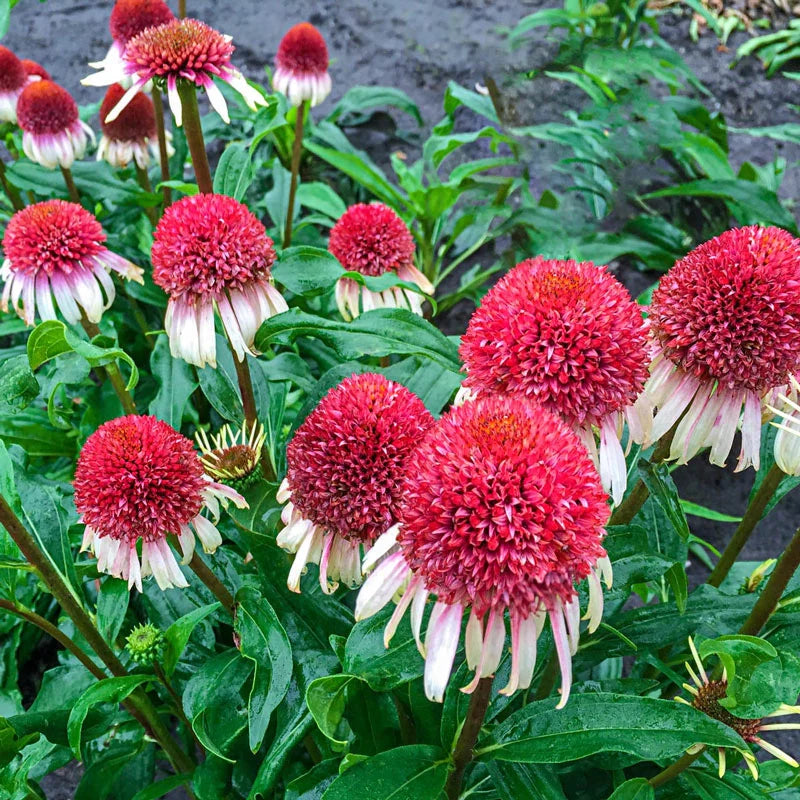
<point>419,46</point>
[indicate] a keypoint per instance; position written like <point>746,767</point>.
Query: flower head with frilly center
<point>13,79</point>
<point>726,322</point>
<point>56,250</point>
<point>301,66</point>
<point>52,132</point>
<point>138,478</point>
<point>181,50</point>
<point>569,336</point>
<point>501,511</point>
<point>371,239</point>
<point>35,69</point>
<point>132,135</point>
<point>345,466</point>
<point>706,693</point>
<point>210,251</point>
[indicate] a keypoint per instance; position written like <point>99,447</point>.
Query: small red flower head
<point>182,45</point>
<point>208,243</point>
<point>303,50</point>
<point>54,237</point>
<point>32,68</point>
<point>565,334</point>
<point>136,122</point>
<point>12,71</point>
<point>730,310</point>
<point>371,239</point>
<point>501,508</point>
<point>137,476</point>
<point>130,17</point>
<point>347,458</point>
<point>44,107</point>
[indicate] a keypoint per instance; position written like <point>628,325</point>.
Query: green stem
<point>138,703</point>
<point>673,770</point>
<point>74,195</point>
<point>637,497</point>
<point>755,510</point>
<point>773,590</point>
<point>144,182</point>
<point>176,699</point>
<point>11,191</point>
<point>163,151</point>
<point>194,136</point>
<point>463,752</point>
<point>297,148</point>
<point>182,9</point>
<point>54,632</point>
<point>212,582</point>
<point>112,371</point>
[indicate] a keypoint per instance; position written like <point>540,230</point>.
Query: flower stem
<point>297,149</point>
<point>176,699</point>
<point>182,9</point>
<point>144,182</point>
<point>633,503</point>
<point>74,195</point>
<point>749,521</point>
<point>163,151</point>
<point>212,582</point>
<point>773,590</point>
<point>194,136</point>
<point>10,190</point>
<point>52,631</point>
<point>138,704</point>
<point>673,770</point>
<point>112,371</point>
<point>462,754</point>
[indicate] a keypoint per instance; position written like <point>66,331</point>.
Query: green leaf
<point>416,772</point>
<point>53,338</point>
<point>109,690</point>
<point>657,479</point>
<point>161,788</point>
<point>360,98</point>
<point>383,332</point>
<point>522,782</point>
<point>5,16</point>
<point>176,382</point>
<point>263,640</point>
<point>18,385</point>
<point>234,172</point>
<point>634,789</point>
<point>308,271</point>
<point>679,583</point>
<point>325,698</point>
<point>112,605</point>
<point>177,635</point>
<point>220,385</point>
<point>648,728</point>
<point>321,197</point>
<point>11,743</point>
<point>312,785</point>
<point>707,786</point>
<point>382,668</point>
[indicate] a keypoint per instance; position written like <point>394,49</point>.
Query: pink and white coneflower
<point>13,79</point>
<point>726,321</point>
<point>301,66</point>
<point>180,50</point>
<point>786,407</point>
<point>128,19</point>
<point>342,487</point>
<point>210,252</point>
<point>138,478</point>
<point>55,250</point>
<point>569,336</point>
<point>373,240</point>
<point>132,135</point>
<point>52,132</point>
<point>501,511</point>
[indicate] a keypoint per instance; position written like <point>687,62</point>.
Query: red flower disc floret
<point>136,121</point>
<point>346,460</point>
<point>563,333</point>
<point>729,311</point>
<point>45,107</point>
<point>501,507</point>
<point>12,71</point>
<point>130,17</point>
<point>137,476</point>
<point>303,49</point>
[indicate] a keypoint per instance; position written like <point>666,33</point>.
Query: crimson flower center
<point>131,17</point>
<point>136,122</point>
<point>707,701</point>
<point>45,107</point>
<point>12,71</point>
<point>303,49</point>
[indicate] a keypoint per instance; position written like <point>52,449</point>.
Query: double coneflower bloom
<point>138,479</point>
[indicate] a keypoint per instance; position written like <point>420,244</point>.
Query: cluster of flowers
<point>498,508</point>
